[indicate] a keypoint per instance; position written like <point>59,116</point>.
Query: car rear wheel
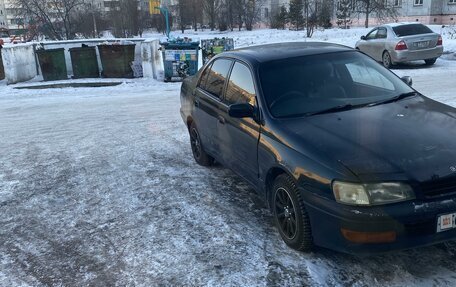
<point>386,60</point>
<point>430,61</point>
<point>290,215</point>
<point>201,157</point>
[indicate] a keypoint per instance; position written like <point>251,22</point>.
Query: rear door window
<point>411,29</point>
<point>240,86</point>
<point>217,76</point>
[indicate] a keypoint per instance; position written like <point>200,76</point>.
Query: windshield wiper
<point>393,99</point>
<point>339,108</point>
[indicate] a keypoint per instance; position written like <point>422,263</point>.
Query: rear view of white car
<point>401,42</point>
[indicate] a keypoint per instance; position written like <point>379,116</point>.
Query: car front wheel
<point>386,60</point>
<point>290,215</point>
<point>200,155</point>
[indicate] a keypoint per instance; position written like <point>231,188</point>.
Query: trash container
<point>52,63</point>
<point>116,60</point>
<point>180,57</point>
<point>84,62</point>
<point>212,47</point>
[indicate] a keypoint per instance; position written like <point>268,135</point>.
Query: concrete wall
<point>19,63</point>
<point>152,59</point>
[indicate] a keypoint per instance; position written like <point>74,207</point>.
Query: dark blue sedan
<point>346,154</point>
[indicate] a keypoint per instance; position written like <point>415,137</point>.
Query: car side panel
<point>238,144</point>
<point>205,115</point>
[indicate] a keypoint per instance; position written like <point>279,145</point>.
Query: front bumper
<point>415,55</point>
<point>414,222</point>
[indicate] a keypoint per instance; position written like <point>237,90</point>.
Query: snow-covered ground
<point>98,188</point>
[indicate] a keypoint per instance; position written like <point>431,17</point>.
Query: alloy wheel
<point>285,213</point>
<point>195,143</point>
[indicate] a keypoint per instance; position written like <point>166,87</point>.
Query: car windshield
<point>411,29</point>
<point>310,84</point>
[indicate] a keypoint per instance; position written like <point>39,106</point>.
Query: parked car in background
<point>345,153</point>
<point>401,42</point>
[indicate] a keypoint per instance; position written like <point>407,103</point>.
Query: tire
<point>386,60</point>
<point>290,215</point>
<point>200,156</point>
<point>430,62</point>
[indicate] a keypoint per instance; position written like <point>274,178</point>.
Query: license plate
<point>446,222</point>
<point>422,44</point>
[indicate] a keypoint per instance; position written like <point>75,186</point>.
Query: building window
<point>398,3</point>
<point>266,12</point>
<point>417,2</point>
<point>452,2</point>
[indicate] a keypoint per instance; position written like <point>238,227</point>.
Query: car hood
<point>411,139</point>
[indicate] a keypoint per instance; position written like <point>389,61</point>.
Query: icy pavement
<point>98,188</point>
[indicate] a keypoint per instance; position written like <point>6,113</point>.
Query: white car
<point>401,42</point>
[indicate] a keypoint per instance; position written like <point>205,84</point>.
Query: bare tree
<point>238,12</point>
<point>380,8</point>
<point>211,8</point>
<point>125,19</point>
<point>183,14</point>
<point>252,12</point>
<point>196,13</point>
<point>56,16</point>
<point>89,21</point>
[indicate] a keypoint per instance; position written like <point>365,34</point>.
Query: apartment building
<point>424,11</point>
<point>13,22</point>
<point>3,21</point>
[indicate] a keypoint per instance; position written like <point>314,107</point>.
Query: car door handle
<point>196,103</point>
<point>221,120</point>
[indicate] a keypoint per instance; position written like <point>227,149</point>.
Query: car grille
<point>439,187</point>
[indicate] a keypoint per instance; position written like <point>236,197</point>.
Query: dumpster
<point>180,58</point>
<point>52,63</point>
<point>84,62</point>
<point>116,60</point>
<point>212,47</point>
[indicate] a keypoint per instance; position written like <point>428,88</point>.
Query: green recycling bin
<point>180,57</point>
<point>212,47</point>
<point>117,60</point>
<point>52,63</point>
<point>84,62</point>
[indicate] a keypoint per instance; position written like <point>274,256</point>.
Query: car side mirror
<point>363,37</point>
<point>241,110</point>
<point>408,80</point>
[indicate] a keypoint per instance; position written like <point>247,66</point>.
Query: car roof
<point>401,24</point>
<point>277,51</point>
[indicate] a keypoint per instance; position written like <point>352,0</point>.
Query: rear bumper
<point>414,55</point>
<point>413,222</point>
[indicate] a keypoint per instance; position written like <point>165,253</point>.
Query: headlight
<point>371,194</point>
